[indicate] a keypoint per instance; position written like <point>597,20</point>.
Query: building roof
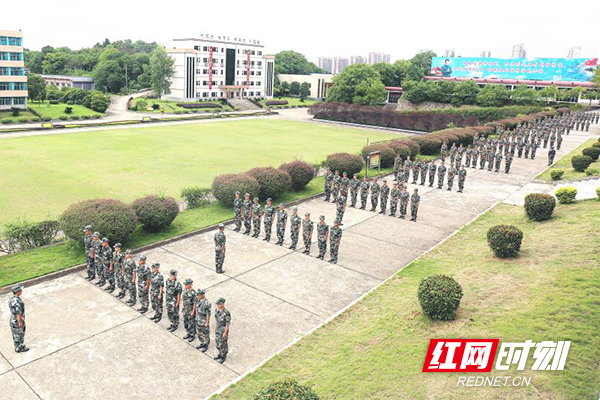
<point>529,82</point>
<point>70,78</point>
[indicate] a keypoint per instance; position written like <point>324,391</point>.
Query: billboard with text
<point>546,69</point>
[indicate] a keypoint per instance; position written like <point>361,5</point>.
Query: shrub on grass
<point>428,145</point>
<point>413,146</point>
<point>6,121</point>
<point>276,102</point>
<point>273,181</point>
<point>400,149</point>
<point>345,162</point>
<point>288,389</point>
<point>596,145</point>
<point>386,155</point>
<point>580,163</point>
<point>505,240</point>
<point>556,174</point>
<point>112,218</point>
<point>592,171</point>
<point>539,206</point>
<point>155,213</point>
<point>566,195</point>
<point>225,186</point>
<point>195,196</point>
<point>46,118</point>
<point>63,118</point>
<point>440,297</point>
<point>15,112</point>
<point>54,102</point>
<point>301,173</point>
<point>23,120</point>
<point>86,116</point>
<point>22,235</point>
<point>68,110</point>
<point>75,117</point>
<point>593,152</point>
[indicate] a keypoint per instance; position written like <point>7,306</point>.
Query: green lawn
<point>22,114</point>
<point>292,101</point>
<point>565,164</point>
<point>55,111</point>
<point>41,176</point>
<point>377,348</point>
<point>171,106</point>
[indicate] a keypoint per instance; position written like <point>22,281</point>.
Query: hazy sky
<point>325,27</point>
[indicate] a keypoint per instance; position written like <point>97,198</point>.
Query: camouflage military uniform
<point>404,196</point>
<point>468,155</point>
<point>375,188</point>
<point>256,214</point>
<point>394,194</point>
<point>441,174</point>
<point>364,193</point>
<point>475,155</point>
<point>295,222</point>
<point>424,170</point>
<point>354,185</point>
<point>451,173</point>
<point>202,317</point>
<point>187,298</point>
<point>416,167</point>
<point>415,199</point>
<point>462,175</point>
<point>335,235</point>
<point>98,262</point>
<point>117,261</point>
<point>282,217</point>
<point>173,290</point>
<point>247,208</point>
<point>237,213</point>
<point>534,147</point>
<point>432,170</point>
<point>337,180</point>
<point>108,273</point>
<point>307,228</point>
<point>344,185</point>
<point>498,161</point>
<point>157,282</point>
<point>130,269</point>
<point>340,207</point>
<point>17,307</point>
<point>322,233</point>
<point>143,275</point>
<point>328,181</point>
<point>223,319</point>
<point>87,243</point>
<point>491,158</point>
<point>219,250</point>
<point>482,159</point>
<point>268,212</point>
<point>559,140</point>
<point>551,154</point>
<point>385,193</point>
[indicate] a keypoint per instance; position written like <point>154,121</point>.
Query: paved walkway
<point>87,344</point>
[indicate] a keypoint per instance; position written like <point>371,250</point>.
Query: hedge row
<point>199,105</point>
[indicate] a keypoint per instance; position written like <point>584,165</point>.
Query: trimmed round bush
<point>580,163</point>
<point>593,152</point>
<point>505,240</point>
<point>225,186</point>
<point>413,146</point>
<point>288,389</point>
<point>196,196</point>
<point>566,195</point>
<point>400,149</point>
<point>440,297</point>
<point>387,155</point>
<point>155,213</point>
<point>112,218</point>
<point>539,206</point>
<point>273,182</point>
<point>556,174</point>
<point>300,172</point>
<point>429,145</point>
<point>449,138</point>
<point>345,162</point>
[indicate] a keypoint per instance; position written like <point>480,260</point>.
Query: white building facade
<point>212,67</point>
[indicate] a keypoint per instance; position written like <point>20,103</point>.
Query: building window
<point>258,73</point>
<point>11,41</point>
<point>257,83</point>
<point>259,53</point>
<point>5,101</point>
<point>18,100</point>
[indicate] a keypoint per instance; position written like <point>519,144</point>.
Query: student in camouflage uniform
<point>507,163</point>
<point>385,193</point>
<point>416,167</point>
<point>173,299</point>
<point>344,183</point>
<point>143,277</point>
<point>268,212</point>
<point>462,175</point>
<point>534,147</point>
<point>188,298</point>
<point>335,238</point>
<point>116,264</point>
<point>482,159</point>
<point>468,155</point>
<point>157,283</point>
<point>87,244</point>
<point>394,194</point>
<point>407,167</point>
<point>475,155</point>
<point>109,271</point>
<point>451,173</point>
<point>201,314</point>
<point>551,155</point>
<point>102,261</point>
<point>130,269</point>
<point>220,249</point>
<point>354,186</point>
<point>255,214</point>
<point>404,197</point>
<point>340,207</point>
<point>415,199</point>
<point>281,224</point>
<point>247,213</point>
<point>322,236</point>
<point>328,182</point>
<point>443,151</point>
<point>424,170</point>
<point>365,187</point>
<point>491,158</point>
<point>238,203</point>
<point>17,319</point>
<point>559,140</point>
<point>223,319</point>
<point>498,161</point>
<point>375,188</point>
<point>337,180</point>
<point>432,170</point>
<point>441,172</point>
<point>97,255</point>
<point>307,229</point>
<point>295,222</point>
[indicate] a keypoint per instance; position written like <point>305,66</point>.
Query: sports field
<point>42,175</point>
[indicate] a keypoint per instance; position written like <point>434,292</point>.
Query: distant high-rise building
<point>340,64</point>
<point>485,54</point>
<point>13,82</point>
<point>449,53</point>
<point>574,52</point>
<point>519,51</point>
<point>377,57</point>
<point>326,63</point>
<point>357,60</point>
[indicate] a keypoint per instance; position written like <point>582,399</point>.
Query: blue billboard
<point>546,69</point>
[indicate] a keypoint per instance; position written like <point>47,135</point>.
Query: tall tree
<point>55,63</point>
<point>359,83</point>
<point>161,71</point>
<point>423,61</point>
<point>493,96</point>
<point>291,62</point>
<point>295,88</point>
<point>36,87</point>
<point>109,74</point>
<point>465,93</point>
<point>304,91</point>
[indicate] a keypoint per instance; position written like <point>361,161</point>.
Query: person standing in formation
<point>415,199</point>
<point>247,213</point>
<point>337,180</point>
<point>220,249</point>
<point>281,224</point>
<point>322,236</point>
<point>307,229</point>
<point>17,319</point>
<point>462,175</point>
<point>335,239</point>
<point>109,271</point>
<point>189,322</point>
<point>88,245</point>
<point>255,214</point>
<point>238,204</point>
<point>201,314</point>
<point>173,299</point>
<point>354,186</point>
<point>328,182</point>
<point>269,212</point>
<point>404,196</point>
<point>117,264</point>
<point>365,187</point>
<point>143,280</point>
<point>295,222</point>
<point>130,277</point>
<point>441,174</point>
<point>157,284</point>
<point>394,194</point>
<point>451,173</point>
<point>432,170</point>
<point>341,207</point>
<point>375,188</point>
<point>385,192</point>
